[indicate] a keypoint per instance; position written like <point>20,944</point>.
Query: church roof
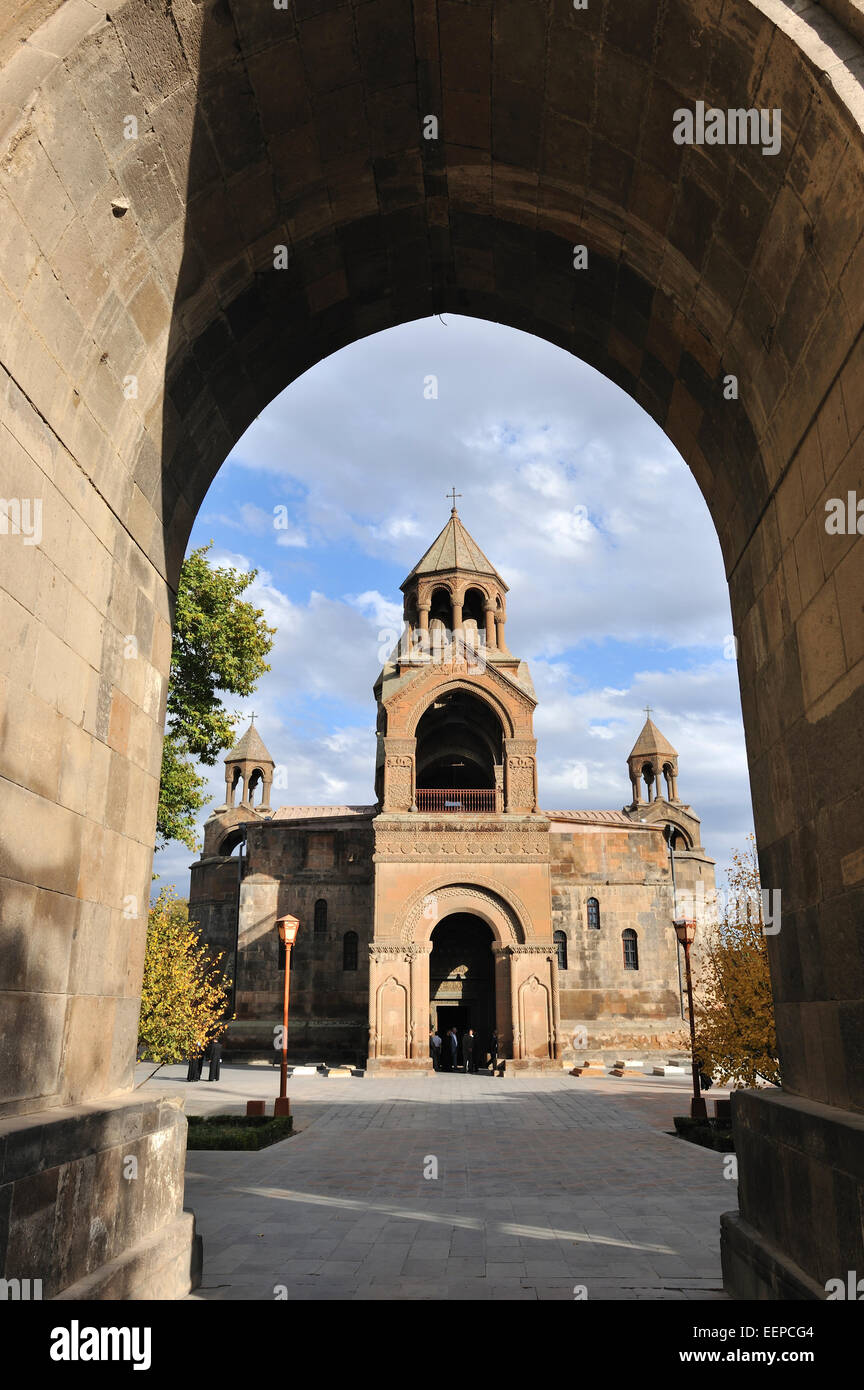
<point>591,817</point>
<point>322,812</point>
<point>652,741</point>
<point>454,549</point>
<point>250,749</point>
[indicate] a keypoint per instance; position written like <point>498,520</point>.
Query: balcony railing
<point>452,800</point>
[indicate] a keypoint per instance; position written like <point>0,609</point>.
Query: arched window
<point>594,914</point>
<point>320,916</point>
<point>560,939</point>
<point>631,949</point>
<point>349,951</point>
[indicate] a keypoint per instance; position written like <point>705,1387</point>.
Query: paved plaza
<point>542,1186</point>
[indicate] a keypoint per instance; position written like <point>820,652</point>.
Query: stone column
<point>555,1040</point>
<point>503,1002</point>
<point>514,1009</point>
<point>658,781</point>
<point>489,612</point>
<point>636,785</point>
<point>419,967</point>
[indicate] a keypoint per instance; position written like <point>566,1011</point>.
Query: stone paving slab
<point>544,1186</point>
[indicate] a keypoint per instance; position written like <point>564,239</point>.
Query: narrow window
<point>349,951</point>
<point>631,949</point>
<point>594,914</point>
<point>560,939</point>
<point>320,916</point>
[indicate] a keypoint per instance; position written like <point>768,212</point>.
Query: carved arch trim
<point>499,909</point>
<point>473,688</point>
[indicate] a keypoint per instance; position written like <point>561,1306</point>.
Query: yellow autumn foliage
<point>735,1036</point>
<point>185,995</point>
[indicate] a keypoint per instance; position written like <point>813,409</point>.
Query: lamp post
<point>288,928</point>
<point>685,930</point>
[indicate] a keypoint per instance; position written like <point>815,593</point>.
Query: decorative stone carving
<point>418,907</point>
<point>520,784</point>
<point>466,841</point>
<point>407,950</point>
<point>399,782</point>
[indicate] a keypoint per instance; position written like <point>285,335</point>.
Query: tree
<point>220,642</point>
<point>735,1034</point>
<point>185,994</point>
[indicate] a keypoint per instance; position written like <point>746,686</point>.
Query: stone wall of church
<point>213,896</point>
<point>627,872</point>
<point>291,869</point>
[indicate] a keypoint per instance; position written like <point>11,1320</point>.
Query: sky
<point>617,596</point>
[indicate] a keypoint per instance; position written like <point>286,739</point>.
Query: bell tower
<point>455,706</point>
<point>462,864</point>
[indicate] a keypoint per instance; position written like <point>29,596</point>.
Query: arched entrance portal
<point>462,981</point>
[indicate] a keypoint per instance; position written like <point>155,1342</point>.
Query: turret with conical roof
<point>651,759</point>
<point>454,587</point>
<point>248,765</point>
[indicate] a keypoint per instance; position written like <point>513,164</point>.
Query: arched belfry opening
<point>460,747</point>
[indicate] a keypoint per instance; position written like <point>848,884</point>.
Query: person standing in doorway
<point>493,1052</point>
<point>435,1049</point>
<point>453,1049</point>
<point>468,1050</point>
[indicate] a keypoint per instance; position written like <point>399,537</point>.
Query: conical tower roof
<point>250,748</point>
<point>652,741</point>
<point>454,549</point>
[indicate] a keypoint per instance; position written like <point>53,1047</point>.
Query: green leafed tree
<point>184,995</point>
<point>219,647</point>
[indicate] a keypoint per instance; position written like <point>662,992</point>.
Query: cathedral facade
<point>454,900</point>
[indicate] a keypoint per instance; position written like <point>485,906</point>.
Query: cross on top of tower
<point>648,711</point>
<point>453,494</point>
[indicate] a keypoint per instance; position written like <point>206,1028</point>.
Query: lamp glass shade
<point>685,930</point>
<point>288,929</point>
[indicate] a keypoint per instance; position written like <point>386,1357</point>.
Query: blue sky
<point>617,593</point>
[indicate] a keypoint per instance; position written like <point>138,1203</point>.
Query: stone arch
<point>500,909</point>
<point>481,692</point>
<point>723,290</point>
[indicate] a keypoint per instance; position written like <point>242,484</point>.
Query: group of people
<point>447,1055</point>
<point>214,1054</point>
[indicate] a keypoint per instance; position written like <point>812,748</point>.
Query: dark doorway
<point>462,983</point>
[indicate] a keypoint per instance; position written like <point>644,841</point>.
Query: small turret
<point>247,766</point>
<point>652,759</point>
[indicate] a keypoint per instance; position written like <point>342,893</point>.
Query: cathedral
<point>453,900</point>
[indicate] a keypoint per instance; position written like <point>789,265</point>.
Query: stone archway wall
<point>144,326</point>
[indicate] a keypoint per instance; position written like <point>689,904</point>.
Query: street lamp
<point>685,930</point>
<point>288,927</point>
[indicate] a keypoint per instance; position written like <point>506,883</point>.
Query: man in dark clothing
<point>493,1053</point>
<point>194,1072</point>
<point>468,1050</point>
<point>453,1049</point>
<point>215,1060</point>
<point>435,1049</point>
